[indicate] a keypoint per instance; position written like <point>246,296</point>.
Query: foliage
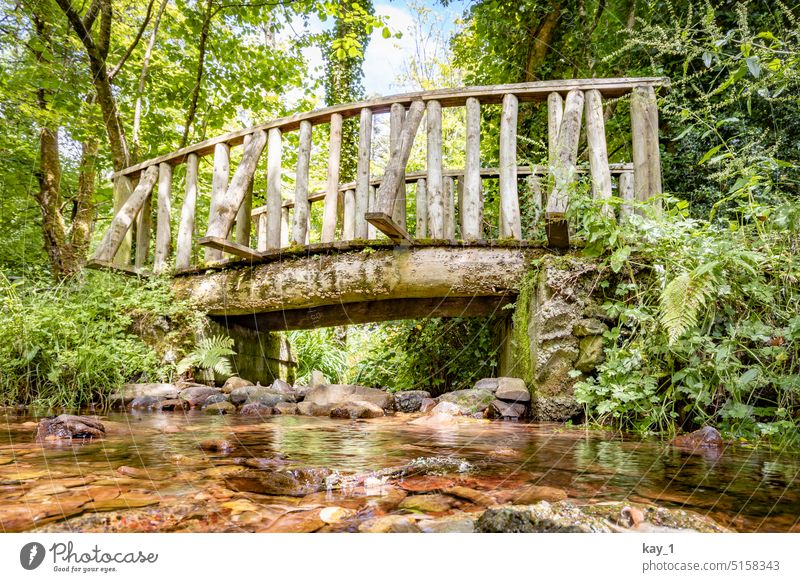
<point>69,345</point>
<point>209,355</point>
<point>319,349</point>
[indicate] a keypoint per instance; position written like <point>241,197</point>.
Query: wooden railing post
<point>183,253</point>
<point>555,112</point>
<point>330,211</point>
<point>449,209</point>
<point>243,219</point>
<point>372,205</point>
<point>362,173</point>
<point>219,184</point>
<point>435,184</point>
<point>274,200</point>
<point>397,117</point>
<point>510,226</point>
<point>644,134</point>
<point>563,170</point>
<point>422,209</point>
<point>596,140</point>
<point>262,227</point>
<point>349,219</point>
<point>163,227</point>
<point>626,192</point>
<point>285,226</point>
<point>301,204</point>
<point>123,187</point>
<point>143,228</point>
<point>470,204</point>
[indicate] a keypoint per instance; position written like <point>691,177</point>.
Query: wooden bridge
<point>256,265</point>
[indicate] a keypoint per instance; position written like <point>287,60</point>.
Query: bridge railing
<point>447,200</point>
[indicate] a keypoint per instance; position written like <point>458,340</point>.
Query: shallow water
<point>80,487</point>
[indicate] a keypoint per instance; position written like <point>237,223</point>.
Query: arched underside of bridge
<point>350,283</point>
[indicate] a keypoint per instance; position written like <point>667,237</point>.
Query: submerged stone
<point>289,482</point>
<point>256,409</point>
<point>197,395</point>
<point>506,410</point>
<point>430,503</point>
<point>706,437</point>
<point>220,408</point>
<point>356,409</point>
<point>68,426</point>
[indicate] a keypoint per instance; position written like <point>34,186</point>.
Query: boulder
<point>256,409</point>
<point>533,494</point>
<point>216,445</point>
<point>235,382</point>
<point>68,426</point>
<point>589,326</point>
<point>215,398</point>
<point>285,408</point>
<point>145,402</point>
<point>506,410</point>
<point>289,482</point>
<point>281,387</point>
<point>540,518</point>
<point>427,404</point>
<point>130,391</point>
<point>555,408</point>
<point>410,400</point>
<point>173,404</point>
<point>197,396</point>
<point>318,379</point>
<point>446,408</point>
<point>220,408</point>
<point>429,503</point>
<point>356,409</point>
<point>325,398</point>
<point>458,523</point>
<point>512,390</point>
<point>266,396</point>
<point>488,384</point>
<point>590,353</point>
<point>469,401</point>
<point>706,437</point>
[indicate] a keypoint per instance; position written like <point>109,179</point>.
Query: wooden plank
<point>301,203</point>
<point>564,169</point>
<point>435,183</point>
<point>163,226</point>
<point>285,228</point>
<point>143,228</point>
<point>422,209</point>
<point>459,180</point>
<point>397,117</point>
<point>535,187</point>
<point>261,232</point>
<point>183,252</point>
<point>230,247</point>
<point>644,134</point>
<point>555,113</point>
<point>395,169</point>
<point>123,187</point>
<point>274,201</point>
<point>362,173</point>
<point>596,141</point>
<point>121,223</point>
<point>449,209</point>
<point>332,191</point>
<point>493,94</point>
<point>219,185</point>
<point>472,203</point>
<point>111,267</point>
<point>387,226</point>
<point>627,193</point>
<point>372,203</point>
<point>244,216</point>
<point>510,225</point>
<point>349,221</point>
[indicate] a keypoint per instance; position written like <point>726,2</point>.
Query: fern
<point>682,299</point>
<point>210,354</point>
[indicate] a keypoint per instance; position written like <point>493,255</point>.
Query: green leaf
<point>749,376</point>
<point>754,66</point>
<point>708,154</point>
<point>386,32</point>
<point>619,257</point>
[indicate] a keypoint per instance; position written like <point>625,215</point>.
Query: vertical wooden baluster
<point>163,227</point>
<point>644,134</point>
<point>535,186</point>
<point>301,205</point>
<point>122,191</point>
<point>330,211</point>
<point>555,112</point>
<point>349,220</point>
<point>372,205</point>
<point>510,225</point>
<point>362,173</point>
<point>564,169</point>
<point>396,119</point>
<point>471,184</point>
<point>219,185</point>
<point>596,140</point>
<point>626,192</point>
<point>422,209</point>
<point>183,253</point>
<point>274,201</point>
<point>285,226</point>
<point>459,224</point>
<point>143,228</point>
<point>261,234</point>
<point>449,209</point>
<point>435,183</point>
<point>243,224</point>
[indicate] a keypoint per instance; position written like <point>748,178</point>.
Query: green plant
<point>319,349</point>
<point>210,355</point>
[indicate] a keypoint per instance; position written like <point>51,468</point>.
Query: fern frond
<point>682,299</point>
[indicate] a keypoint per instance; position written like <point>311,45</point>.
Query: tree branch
<point>91,14</point>
<point>104,40</point>
<point>77,23</point>
<point>135,42</point>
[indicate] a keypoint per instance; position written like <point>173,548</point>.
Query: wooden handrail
<point>491,94</point>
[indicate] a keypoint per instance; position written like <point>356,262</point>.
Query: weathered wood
<point>460,206</point>
<point>371,207</point>
<point>183,252</point>
<point>422,209</point>
<point>219,185</point>
<point>644,134</point>
<point>330,211</point>
<point>261,232</point>
<point>596,140</point>
<point>397,117</point>
<point>472,203</point>
<point>435,183</point>
<point>230,247</point>
<point>449,209</point>
<point>349,220</point>
<point>535,91</point>
<point>510,225</point>
<point>243,218</point>
<point>143,227</point>
<point>564,171</point>
<point>535,187</point>
<point>362,173</point>
<point>121,223</point>
<point>274,201</point>
<point>626,192</point>
<point>555,113</point>
<point>163,226</point>
<point>123,186</point>
<point>395,169</point>
<point>389,227</point>
<point>112,268</point>
<point>301,204</point>
<point>285,228</point>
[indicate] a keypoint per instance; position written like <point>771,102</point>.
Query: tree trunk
<point>190,114</point>
<point>83,205</point>
<point>540,42</point>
